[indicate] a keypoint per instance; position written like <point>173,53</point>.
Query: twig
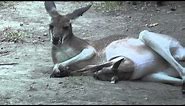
<point>8,64</point>
<point>3,52</point>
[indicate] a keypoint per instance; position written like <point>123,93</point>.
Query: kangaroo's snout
<point>55,40</point>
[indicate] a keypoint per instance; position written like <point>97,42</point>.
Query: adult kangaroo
<point>151,57</point>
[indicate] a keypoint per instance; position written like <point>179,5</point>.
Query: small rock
<point>83,33</point>
<point>32,88</point>
<point>152,25</point>
<point>129,17</point>
<point>183,29</point>
<point>35,41</point>
<point>126,29</point>
<point>57,93</point>
<point>60,82</point>
<point>8,97</point>
<point>173,9</point>
<point>45,34</point>
<point>146,98</point>
<point>157,9</point>
<point>47,85</point>
<point>33,82</point>
<point>21,24</point>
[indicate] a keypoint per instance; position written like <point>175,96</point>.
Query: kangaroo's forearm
<point>86,54</point>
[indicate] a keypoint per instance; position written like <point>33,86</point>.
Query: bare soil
<point>28,81</point>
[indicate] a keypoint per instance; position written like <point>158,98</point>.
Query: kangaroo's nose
<point>55,40</point>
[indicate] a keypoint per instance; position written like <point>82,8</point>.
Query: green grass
<point>108,6</point>
<point>2,3</point>
<point>6,4</point>
<point>11,35</point>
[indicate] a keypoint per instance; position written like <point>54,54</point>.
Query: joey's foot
<point>114,80</point>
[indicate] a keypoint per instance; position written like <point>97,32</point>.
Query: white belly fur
<point>135,50</point>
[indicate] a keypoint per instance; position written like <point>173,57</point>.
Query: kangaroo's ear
<point>116,61</point>
<point>78,12</point>
<point>116,64</point>
<point>51,8</point>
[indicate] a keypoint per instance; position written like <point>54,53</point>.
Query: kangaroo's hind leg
<point>178,51</point>
<point>155,40</point>
<point>162,78</point>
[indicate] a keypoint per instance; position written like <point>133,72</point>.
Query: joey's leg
<point>162,78</point>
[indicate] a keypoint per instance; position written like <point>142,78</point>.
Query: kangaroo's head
<point>60,25</point>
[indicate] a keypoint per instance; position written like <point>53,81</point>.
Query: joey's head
<point>109,73</point>
<point>60,26</point>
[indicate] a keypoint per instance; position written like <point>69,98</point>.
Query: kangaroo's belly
<point>145,60</point>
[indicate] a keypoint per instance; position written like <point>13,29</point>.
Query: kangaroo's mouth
<point>57,40</point>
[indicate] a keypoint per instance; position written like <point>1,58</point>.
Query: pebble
<point>35,41</point>
<point>21,24</point>
<point>173,9</point>
<point>45,34</point>
<point>60,82</point>
<point>129,17</point>
<point>183,28</point>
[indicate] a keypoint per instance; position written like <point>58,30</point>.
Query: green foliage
<point>11,35</point>
<point>108,5</point>
<point>2,3</point>
<point>5,4</point>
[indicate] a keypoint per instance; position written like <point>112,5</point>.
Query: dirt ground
<point>28,81</point>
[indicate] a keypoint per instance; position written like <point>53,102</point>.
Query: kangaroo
<point>146,58</point>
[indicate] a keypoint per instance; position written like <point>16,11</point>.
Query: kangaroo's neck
<point>69,37</point>
<point>77,42</point>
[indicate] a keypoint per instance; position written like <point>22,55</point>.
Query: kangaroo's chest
<point>66,52</point>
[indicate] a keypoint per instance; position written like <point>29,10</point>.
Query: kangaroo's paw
<point>59,71</point>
